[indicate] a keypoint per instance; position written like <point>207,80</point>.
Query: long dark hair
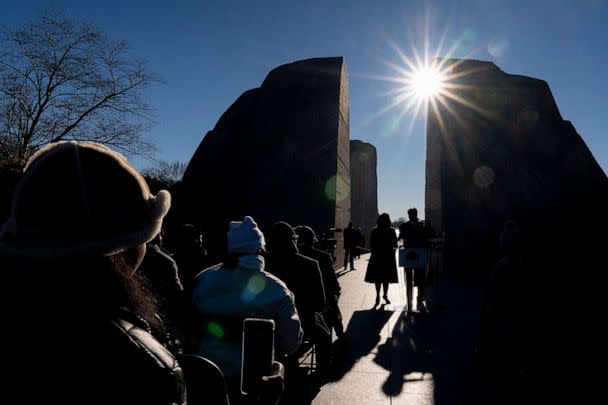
<point>136,293</point>
<point>88,289</point>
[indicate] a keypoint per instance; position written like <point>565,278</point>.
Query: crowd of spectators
<point>119,319</point>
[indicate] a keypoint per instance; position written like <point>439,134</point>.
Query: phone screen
<point>258,352</point>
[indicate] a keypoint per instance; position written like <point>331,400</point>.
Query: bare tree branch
<point>62,79</point>
<point>168,173</point>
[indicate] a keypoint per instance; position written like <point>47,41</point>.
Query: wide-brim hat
<point>80,198</point>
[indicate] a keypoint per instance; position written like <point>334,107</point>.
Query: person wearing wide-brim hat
<point>81,318</point>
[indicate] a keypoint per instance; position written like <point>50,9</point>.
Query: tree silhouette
<point>63,79</point>
<point>165,173</point>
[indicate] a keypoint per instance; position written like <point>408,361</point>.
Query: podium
<point>413,258</point>
<point>431,260</point>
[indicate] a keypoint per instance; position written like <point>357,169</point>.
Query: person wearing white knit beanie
<point>245,237</point>
<point>239,288</point>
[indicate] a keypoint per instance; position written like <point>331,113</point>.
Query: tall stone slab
<point>499,149</point>
<point>364,186</point>
<point>280,152</point>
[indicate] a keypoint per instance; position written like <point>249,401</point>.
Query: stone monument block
<point>364,186</point>
<point>499,149</point>
<point>280,152</point>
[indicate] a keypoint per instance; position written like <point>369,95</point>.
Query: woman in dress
<point>382,267</point>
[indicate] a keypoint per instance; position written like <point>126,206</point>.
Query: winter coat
<point>244,291</point>
<point>330,280</point>
<point>382,266</point>
<point>303,277</point>
<point>351,238</point>
<point>81,360</point>
<point>190,262</point>
<point>140,369</point>
<point>66,346</point>
<point>415,234</point>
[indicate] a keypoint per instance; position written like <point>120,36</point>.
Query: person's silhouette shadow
<point>363,334</point>
<point>407,351</point>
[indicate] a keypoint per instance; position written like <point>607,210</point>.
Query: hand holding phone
<point>272,386</point>
<point>258,353</point>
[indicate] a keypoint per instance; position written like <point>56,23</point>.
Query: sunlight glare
<point>427,82</point>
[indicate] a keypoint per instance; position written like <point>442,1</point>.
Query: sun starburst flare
<point>427,81</point>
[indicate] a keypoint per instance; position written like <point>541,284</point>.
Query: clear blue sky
<point>210,52</point>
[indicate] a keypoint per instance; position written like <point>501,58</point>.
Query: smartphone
<point>258,352</point>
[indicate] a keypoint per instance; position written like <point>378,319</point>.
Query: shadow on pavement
<point>428,354</point>
<point>408,353</point>
<point>343,272</point>
<point>302,390</point>
<point>363,334</point>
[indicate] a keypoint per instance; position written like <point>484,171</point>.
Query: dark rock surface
<point>504,152</point>
<point>364,186</point>
<point>280,152</point>
<point>499,149</point>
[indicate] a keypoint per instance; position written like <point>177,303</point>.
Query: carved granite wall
<point>500,150</point>
<point>364,186</point>
<point>280,152</point>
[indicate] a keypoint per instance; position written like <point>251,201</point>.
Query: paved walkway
<point>391,356</point>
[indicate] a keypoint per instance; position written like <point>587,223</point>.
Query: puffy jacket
<point>145,371</point>
<point>241,292</point>
<point>81,361</point>
<point>128,365</point>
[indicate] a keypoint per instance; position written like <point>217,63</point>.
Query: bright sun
<point>427,82</point>
<point>424,82</point>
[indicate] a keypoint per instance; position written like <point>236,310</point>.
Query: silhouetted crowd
<point>95,310</point>
<point>104,308</point>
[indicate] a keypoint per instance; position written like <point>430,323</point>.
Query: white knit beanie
<point>245,237</point>
<point>80,198</point>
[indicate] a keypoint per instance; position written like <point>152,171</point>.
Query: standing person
<point>415,234</point>
<point>351,238</point>
<point>80,310</point>
<point>382,267</point>
<point>306,241</point>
